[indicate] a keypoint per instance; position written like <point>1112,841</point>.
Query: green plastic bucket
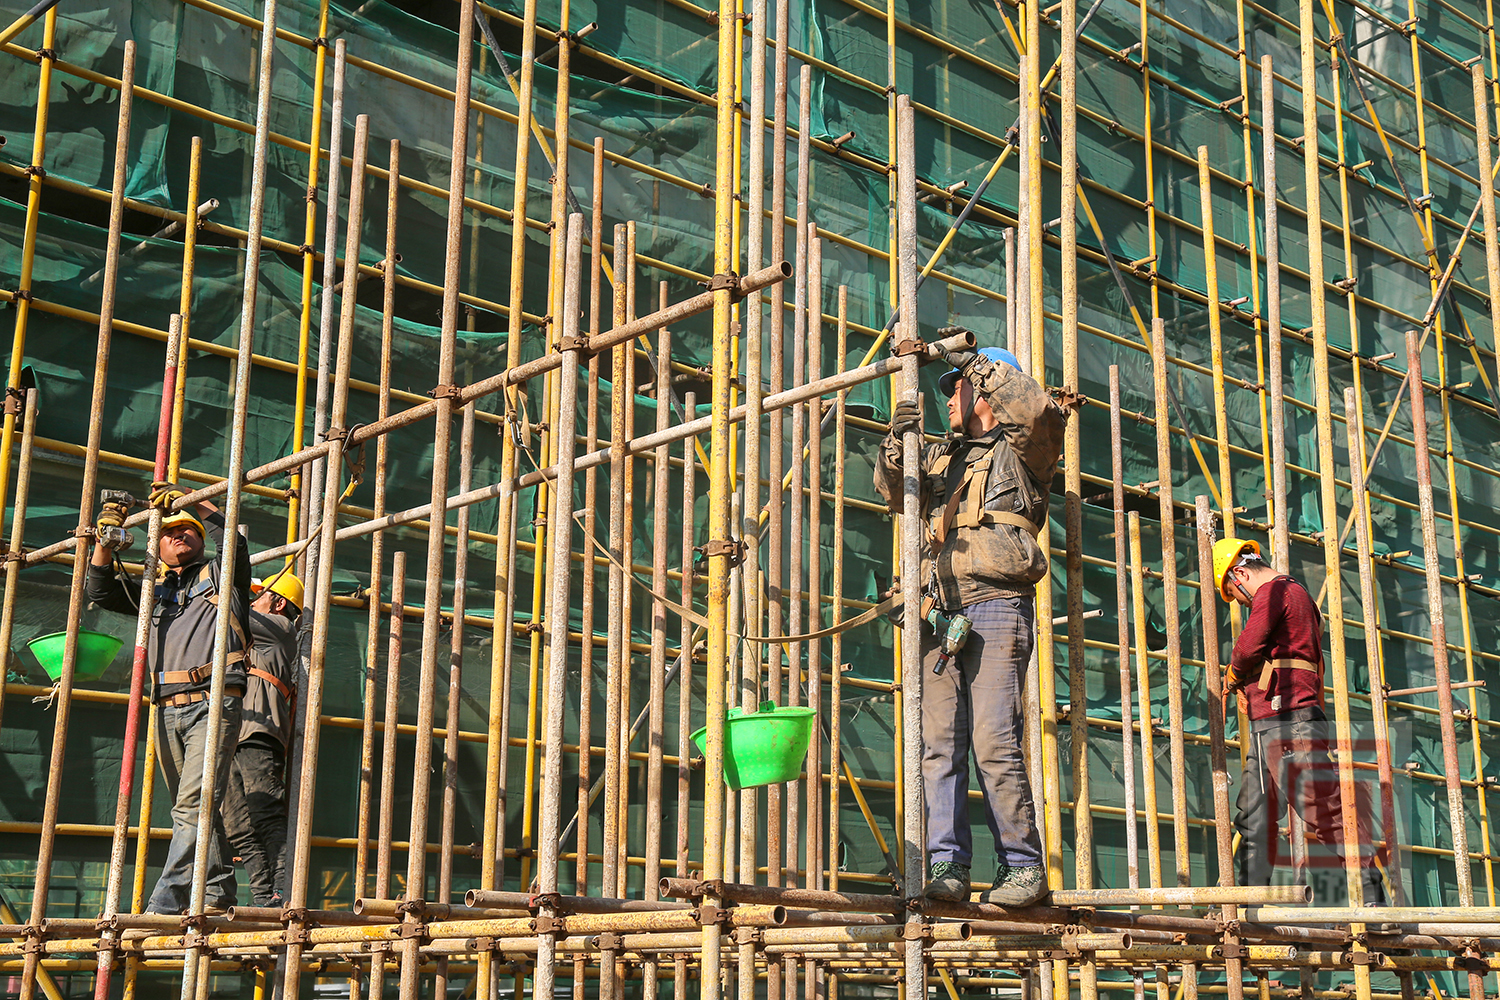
<point>95,652</point>
<point>765,747</point>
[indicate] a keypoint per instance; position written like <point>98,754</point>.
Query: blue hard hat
<point>950,377</point>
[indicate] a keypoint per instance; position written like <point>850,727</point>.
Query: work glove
<point>962,360</point>
<point>165,495</point>
<point>908,417</point>
<point>111,515</point>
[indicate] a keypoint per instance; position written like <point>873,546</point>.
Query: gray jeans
<point>182,736</point>
<point>975,706</point>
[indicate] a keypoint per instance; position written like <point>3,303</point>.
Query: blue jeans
<point>182,736</point>
<point>974,706</point>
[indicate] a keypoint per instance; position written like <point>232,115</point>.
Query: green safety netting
<point>196,56</point>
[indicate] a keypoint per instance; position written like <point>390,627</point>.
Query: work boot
<point>948,881</point>
<point>1017,886</point>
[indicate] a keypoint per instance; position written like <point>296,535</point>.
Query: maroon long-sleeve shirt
<point>1284,623</point>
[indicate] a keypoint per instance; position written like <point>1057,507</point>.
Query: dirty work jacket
<point>984,545</point>
<point>186,612</point>
<point>271,684</point>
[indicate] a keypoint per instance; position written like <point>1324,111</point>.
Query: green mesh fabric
<point>196,56</point>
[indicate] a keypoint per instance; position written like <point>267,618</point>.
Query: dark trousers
<point>1288,765</point>
<point>255,815</point>
<point>182,737</point>
<point>974,706</point>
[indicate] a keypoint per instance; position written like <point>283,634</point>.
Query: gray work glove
<point>962,360</point>
<point>908,417</point>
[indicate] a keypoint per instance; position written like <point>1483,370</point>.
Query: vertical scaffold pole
<point>245,347</point>
<point>1280,527</point>
<point>560,575</point>
<point>1457,821</point>
<point>910,536</point>
<point>300,834</point>
<point>1369,607</point>
<point>719,544</point>
<point>442,441</point>
<point>118,843</point>
<point>35,171</point>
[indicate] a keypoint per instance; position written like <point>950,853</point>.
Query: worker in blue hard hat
<point>984,493</point>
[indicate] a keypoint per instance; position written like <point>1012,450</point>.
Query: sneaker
<point>948,881</point>
<point>1017,886</point>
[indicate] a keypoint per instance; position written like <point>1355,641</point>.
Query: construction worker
<point>984,503</point>
<point>1276,670</point>
<point>190,595</point>
<point>255,805</point>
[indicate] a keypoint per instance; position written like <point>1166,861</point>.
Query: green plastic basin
<point>765,747</point>
<point>95,652</point>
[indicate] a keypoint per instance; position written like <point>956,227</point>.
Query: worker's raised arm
<point>103,586</point>
<point>1032,422</point>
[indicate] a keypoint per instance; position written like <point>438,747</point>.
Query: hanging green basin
<point>765,747</point>
<point>95,652</point>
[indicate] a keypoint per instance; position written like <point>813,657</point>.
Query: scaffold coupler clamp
<point>916,931</point>
<point>725,280</point>
<point>732,548</point>
<point>549,899</point>
<point>910,345</point>
<point>710,913</point>
<point>1068,400</point>
<point>547,923</point>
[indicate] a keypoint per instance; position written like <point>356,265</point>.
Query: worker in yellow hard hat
<point>283,585</point>
<point>1227,553</point>
<point>1276,670</point>
<point>255,806</point>
<point>189,596</point>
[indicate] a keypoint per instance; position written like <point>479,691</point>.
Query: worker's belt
<point>1286,664</point>
<point>198,673</point>
<point>192,697</point>
<point>273,680</point>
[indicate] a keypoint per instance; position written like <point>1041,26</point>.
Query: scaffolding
<point>645,233</point>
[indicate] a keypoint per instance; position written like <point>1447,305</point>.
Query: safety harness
<point>1288,663</point>
<point>966,505</point>
<point>203,585</point>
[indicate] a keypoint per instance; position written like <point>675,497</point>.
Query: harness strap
<point>1287,664</point>
<point>1017,520</point>
<point>976,477</point>
<point>286,691</point>
<point>196,674</point>
<point>234,623</point>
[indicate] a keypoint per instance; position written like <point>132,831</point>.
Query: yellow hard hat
<point>285,585</point>
<point>183,517</point>
<point>1227,552</point>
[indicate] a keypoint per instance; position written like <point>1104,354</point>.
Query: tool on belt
<point>952,631</point>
